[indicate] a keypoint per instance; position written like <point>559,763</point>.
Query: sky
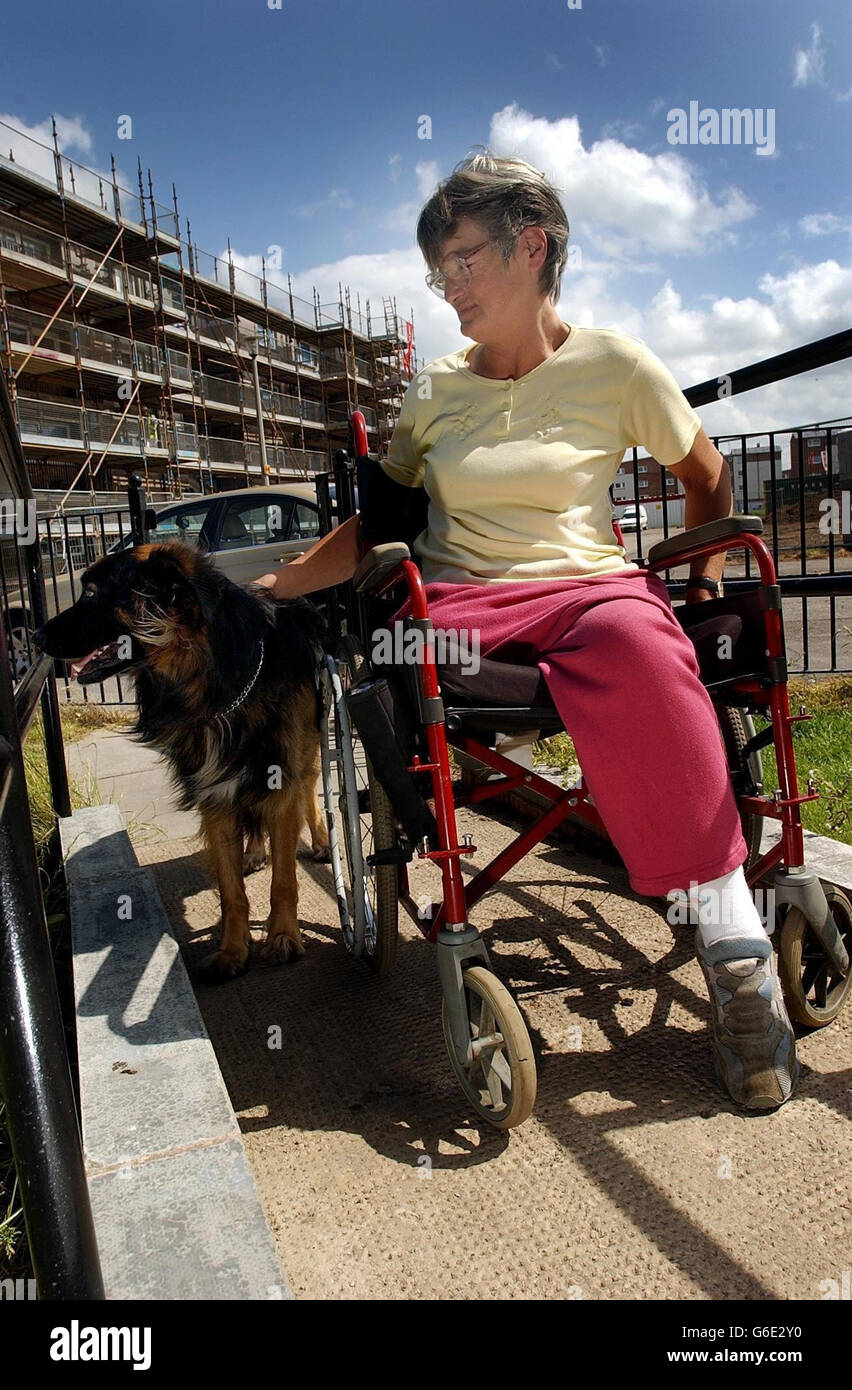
<point>304,126</point>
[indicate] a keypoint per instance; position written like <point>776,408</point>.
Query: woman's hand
<point>331,560</point>
<point>277,583</point>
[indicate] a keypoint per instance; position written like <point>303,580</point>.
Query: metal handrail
<point>35,1073</point>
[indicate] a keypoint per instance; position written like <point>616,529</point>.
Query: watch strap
<point>712,586</point>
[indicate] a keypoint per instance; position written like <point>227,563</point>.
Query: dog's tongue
<point>77,666</point>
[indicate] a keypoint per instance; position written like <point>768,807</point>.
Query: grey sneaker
<point>753,1041</point>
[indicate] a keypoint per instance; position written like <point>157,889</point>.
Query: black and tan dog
<point>225,688</point>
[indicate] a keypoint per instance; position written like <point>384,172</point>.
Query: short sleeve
<point>655,413</point>
<point>404,462</point>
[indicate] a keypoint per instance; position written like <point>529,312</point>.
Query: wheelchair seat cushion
<point>495,683</point>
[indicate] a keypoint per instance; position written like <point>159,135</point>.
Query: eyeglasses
<point>456,268</point>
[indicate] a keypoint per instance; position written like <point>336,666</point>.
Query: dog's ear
<point>177,583</point>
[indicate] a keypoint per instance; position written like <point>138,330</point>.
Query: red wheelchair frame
<point>816,926</point>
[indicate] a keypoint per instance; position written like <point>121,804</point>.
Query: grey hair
<point>505,195</point>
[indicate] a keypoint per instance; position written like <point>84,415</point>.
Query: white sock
<point>726,909</point>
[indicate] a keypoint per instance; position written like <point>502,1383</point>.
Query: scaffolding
<point>127,349</point>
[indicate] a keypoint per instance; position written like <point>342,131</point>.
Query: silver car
<point>246,531</point>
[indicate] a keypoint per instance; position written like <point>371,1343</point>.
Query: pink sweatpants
<point>625,680</point>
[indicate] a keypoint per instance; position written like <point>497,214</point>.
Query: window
<point>305,523</point>
<point>250,522</point>
<point>184,525</point>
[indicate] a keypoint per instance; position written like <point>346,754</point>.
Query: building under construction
<point>129,350</point>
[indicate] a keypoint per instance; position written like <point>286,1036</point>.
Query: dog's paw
<point>318,853</point>
<point>223,965</point>
<point>278,949</point>
<point>253,862</point>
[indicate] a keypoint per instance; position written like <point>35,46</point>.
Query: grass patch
<point>14,1255</point>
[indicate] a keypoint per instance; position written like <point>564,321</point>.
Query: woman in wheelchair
<point>516,441</point>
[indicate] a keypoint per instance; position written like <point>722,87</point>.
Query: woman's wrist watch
<point>712,586</point>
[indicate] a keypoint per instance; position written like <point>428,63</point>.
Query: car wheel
<point>20,643</point>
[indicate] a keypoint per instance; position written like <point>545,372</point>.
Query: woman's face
<point>494,294</point>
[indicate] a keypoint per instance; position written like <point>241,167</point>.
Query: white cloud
<point>394,161</point>
<point>809,63</point>
<point>823,224</point>
<point>620,201</point>
<point>622,129</point>
<point>401,218</point>
<point>335,198</point>
<point>812,300</point>
<point>72,134</point>
<point>427,177</point>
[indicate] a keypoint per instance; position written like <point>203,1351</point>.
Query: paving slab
<point>195,1197</point>
<point>134,778</point>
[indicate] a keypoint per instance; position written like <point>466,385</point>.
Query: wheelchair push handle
<point>358,427</point>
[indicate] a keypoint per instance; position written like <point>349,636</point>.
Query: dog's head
<point>135,605</point>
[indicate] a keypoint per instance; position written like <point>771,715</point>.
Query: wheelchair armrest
<point>675,549</point>
<point>378,563</point>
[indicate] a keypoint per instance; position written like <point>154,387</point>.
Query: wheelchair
<point>389,794</point>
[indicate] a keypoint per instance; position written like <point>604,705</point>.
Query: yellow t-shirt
<point>518,472</point>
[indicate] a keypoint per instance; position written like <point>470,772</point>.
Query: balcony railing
<point>97,346</point>
<point>185,439</point>
<point>334,363</point>
<point>216,450</point>
<point>42,422</point>
<point>233,453</point>
<point>111,350</point>
<point>172,294</point>
<point>290,407</point>
<point>218,331</point>
<point>219,392</point>
<point>177,364</point>
<point>31,242</point>
<point>85,266</point>
<point>105,426</point>
<point>25,327</point>
<point>339,415</point>
<point>139,284</point>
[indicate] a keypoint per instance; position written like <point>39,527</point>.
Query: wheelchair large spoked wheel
<point>360,822</point>
<point>737,728</point>
<point>498,1074</point>
<point>813,989</point>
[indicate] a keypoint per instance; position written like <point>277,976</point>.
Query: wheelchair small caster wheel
<point>814,990</point>
<point>498,1074</point>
